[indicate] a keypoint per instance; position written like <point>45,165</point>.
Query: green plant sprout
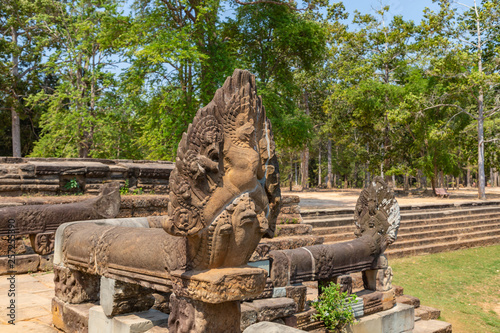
<point>72,184</point>
<point>334,308</point>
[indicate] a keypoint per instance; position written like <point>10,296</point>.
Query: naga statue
<point>224,190</point>
<point>377,215</point>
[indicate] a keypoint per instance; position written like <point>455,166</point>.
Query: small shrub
<point>138,191</point>
<point>124,189</point>
<point>334,308</point>
<point>73,186</point>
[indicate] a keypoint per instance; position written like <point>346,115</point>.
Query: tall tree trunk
<point>319,166</point>
<point>406,183</point>
<point>468,175</point>
<point>480,159</point>
<point>305,154</point>
<point>355,175</point>
<point>480,120</point>
<point>291,171</point>
<point>296,176</point>
<point>434,178</point>
<point>16,124</point>
<point>305,168</point>
<point>491,176</point>
<point>330,175</point>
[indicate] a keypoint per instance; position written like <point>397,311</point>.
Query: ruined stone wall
<point>54,176</point>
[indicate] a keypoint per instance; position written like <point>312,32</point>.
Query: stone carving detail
<point>225,192</point>
<point>41,221</point>
<point>73,286</point>
<point>42,243</point>
<point>377,215</point>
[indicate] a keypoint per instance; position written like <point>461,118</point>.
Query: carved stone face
<point>245,128</point>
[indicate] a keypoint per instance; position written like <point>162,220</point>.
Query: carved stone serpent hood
<point>224,190</point>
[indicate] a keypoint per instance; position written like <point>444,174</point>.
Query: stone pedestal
<point>209,300</point>
<point>188,315</point>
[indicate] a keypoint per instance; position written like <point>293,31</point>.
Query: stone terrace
<point>428,225</point>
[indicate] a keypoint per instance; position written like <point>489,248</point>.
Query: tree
<point>20,59</point>
<point>472,37</point>
<point>368,65</point>
<point>84,33</point>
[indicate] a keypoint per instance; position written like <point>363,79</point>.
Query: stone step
<point>415,215</point>
<point>431,326</point>
<point>426,207</point>
<point>442,247</point>
<point>446,239</point>
<point>405,233</point>
<point>408,223</point>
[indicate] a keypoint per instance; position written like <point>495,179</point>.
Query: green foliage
<point>72,184</point>
<point>391,95</point>
<point>334,308</point>
<point>124,189</point>
<point>138,191</point>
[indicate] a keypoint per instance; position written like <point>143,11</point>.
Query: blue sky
<point>410,10</point>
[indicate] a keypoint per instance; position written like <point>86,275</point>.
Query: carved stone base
<point>190,316</point>
<point>219,285</point>
<point>376,301</point>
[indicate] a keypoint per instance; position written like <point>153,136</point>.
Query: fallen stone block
<point>427,313</point>
<point>298,293</point>
<point>304,317</point>
<point>117,297</point>
<point>398,290</point>
<point>432,326</point>
<point>410,300</point>
<point>71,318</point>
<point>273,308</point>
<point>25,263</point>
<point>248,316</point>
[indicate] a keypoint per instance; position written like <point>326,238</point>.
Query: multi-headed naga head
<point>377,214</point>
<point>224,190</point>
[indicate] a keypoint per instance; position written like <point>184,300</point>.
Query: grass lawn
<point>464,285</point>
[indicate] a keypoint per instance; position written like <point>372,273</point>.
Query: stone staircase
<point>427,228</point>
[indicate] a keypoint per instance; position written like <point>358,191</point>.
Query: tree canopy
<point>349,94</point>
